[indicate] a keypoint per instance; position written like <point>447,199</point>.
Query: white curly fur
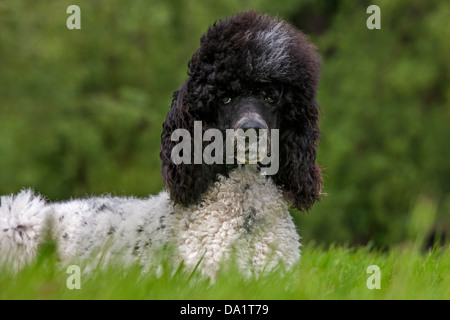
<point>273,43</point>
<point>22,219</point>
<point>243,213</point>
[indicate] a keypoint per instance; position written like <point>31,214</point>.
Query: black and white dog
<point>251,71</point>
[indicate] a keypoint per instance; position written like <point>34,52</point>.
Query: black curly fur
<point>233,53</point>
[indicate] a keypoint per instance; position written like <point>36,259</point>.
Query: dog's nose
<point>252,124</point>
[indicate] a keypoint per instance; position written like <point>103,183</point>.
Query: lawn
<point>333,273</point>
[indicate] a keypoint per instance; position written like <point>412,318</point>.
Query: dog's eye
<point>269,95</point>
<point>269,99</point>
<point>226,100</point>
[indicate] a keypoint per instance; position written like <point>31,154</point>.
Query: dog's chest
<point>237,212</point>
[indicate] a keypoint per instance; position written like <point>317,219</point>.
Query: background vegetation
<point>81,110</point>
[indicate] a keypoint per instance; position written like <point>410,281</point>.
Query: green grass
<point>334,273</point>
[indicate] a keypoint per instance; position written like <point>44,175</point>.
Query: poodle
<point>250,72</point>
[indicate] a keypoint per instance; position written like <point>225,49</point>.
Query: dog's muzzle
<point>251,139</point>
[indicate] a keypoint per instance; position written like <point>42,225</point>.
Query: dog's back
<point>98,228</point>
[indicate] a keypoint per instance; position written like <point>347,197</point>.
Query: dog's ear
<point>299,174</point>
<point>185,182</point>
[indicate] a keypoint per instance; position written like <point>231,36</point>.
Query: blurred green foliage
<point>81,110</point>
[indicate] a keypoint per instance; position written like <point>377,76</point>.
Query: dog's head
<point>251,71</point>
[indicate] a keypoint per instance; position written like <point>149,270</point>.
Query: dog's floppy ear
<point>185,182</point>
<point>299,174</point>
